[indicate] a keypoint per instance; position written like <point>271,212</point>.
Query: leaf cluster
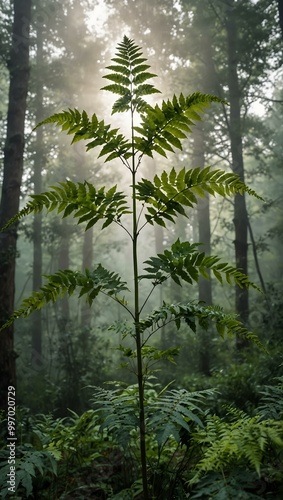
<point>271,405</point>
<point>169,193</point>
<point>184,262</point>
<point>90,283</point>
<point>118,412</point>
<point>244,441</point>
<point>128,74</point>
<point>31,463</point>
<point>84,128</point>
<point>83,200</point>
<point>164,127</point>
<point>191,311</point>
<point>175,410</point>
<point>165,413</point>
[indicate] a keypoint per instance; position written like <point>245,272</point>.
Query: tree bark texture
<point>240,210</point>
<point>18,66</point>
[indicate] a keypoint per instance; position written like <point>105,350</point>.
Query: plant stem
<point>140,376</point>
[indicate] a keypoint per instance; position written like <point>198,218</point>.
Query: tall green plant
<point>154,130</point>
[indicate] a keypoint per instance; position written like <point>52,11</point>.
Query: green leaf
<point>146,89</point>
<point>129,77</point>
<point>170,193</point>
<point>65,282</point>
<point>78,199</point>
<point>116,89</point>
<point>142,77</point>
<point>118,78</point>
<point>172,121</point>
<point>183,262</point>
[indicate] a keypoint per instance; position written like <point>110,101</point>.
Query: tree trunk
<point>204,235</point>
<point>280,10</point>
<point>208,83</point>
<point>86,310</point>
<point>13,167</point>
<point>240,211</point>
<point>159,248</point>
<point>37,222</point>
<point>64,263</point>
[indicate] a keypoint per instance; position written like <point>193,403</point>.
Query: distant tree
<point>37,182</point>
<point>207,83</point>
<point>18,66</point>
<point>280,10</point>
<point>235,133</point>
<point>238,56</point>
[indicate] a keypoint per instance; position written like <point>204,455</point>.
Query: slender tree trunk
<point>63,320</point>
<point>177,294</point>
<point>159,248</point>
<point>208,83</point>
<point>204,234</point>
<point>280,10</point>
<point>64,263</point>
<point>12,178</point>
<point>37,223</point>
<point>86,311</point>
<point>240,211</point>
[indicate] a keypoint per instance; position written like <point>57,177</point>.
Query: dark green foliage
<point>205,314</point>
<point>30,465</point>
<point>190,451</point>
<point>118,412</point>
<point>271,405</point>
<point>240,484</point>
<point>66,455</point>
<point>174,412</point>
<point>183,261</point>
<point>166,413</point>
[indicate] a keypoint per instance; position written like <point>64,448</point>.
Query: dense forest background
<point>229,48</point>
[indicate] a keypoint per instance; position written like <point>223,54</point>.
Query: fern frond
<point>190,312</point>
<point>118,412</point>
<point>166,413</point>
<point>271,404</point>
<point>163,126</point>
<point>227,445</point>
<point>170,192</point>
<point>83,128</point>
<point>90,283</point>
<point>129,75</point>
<point>176,410</point>
<point>28,466</point>
<point>82,200</point>
<point>183,262</point>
